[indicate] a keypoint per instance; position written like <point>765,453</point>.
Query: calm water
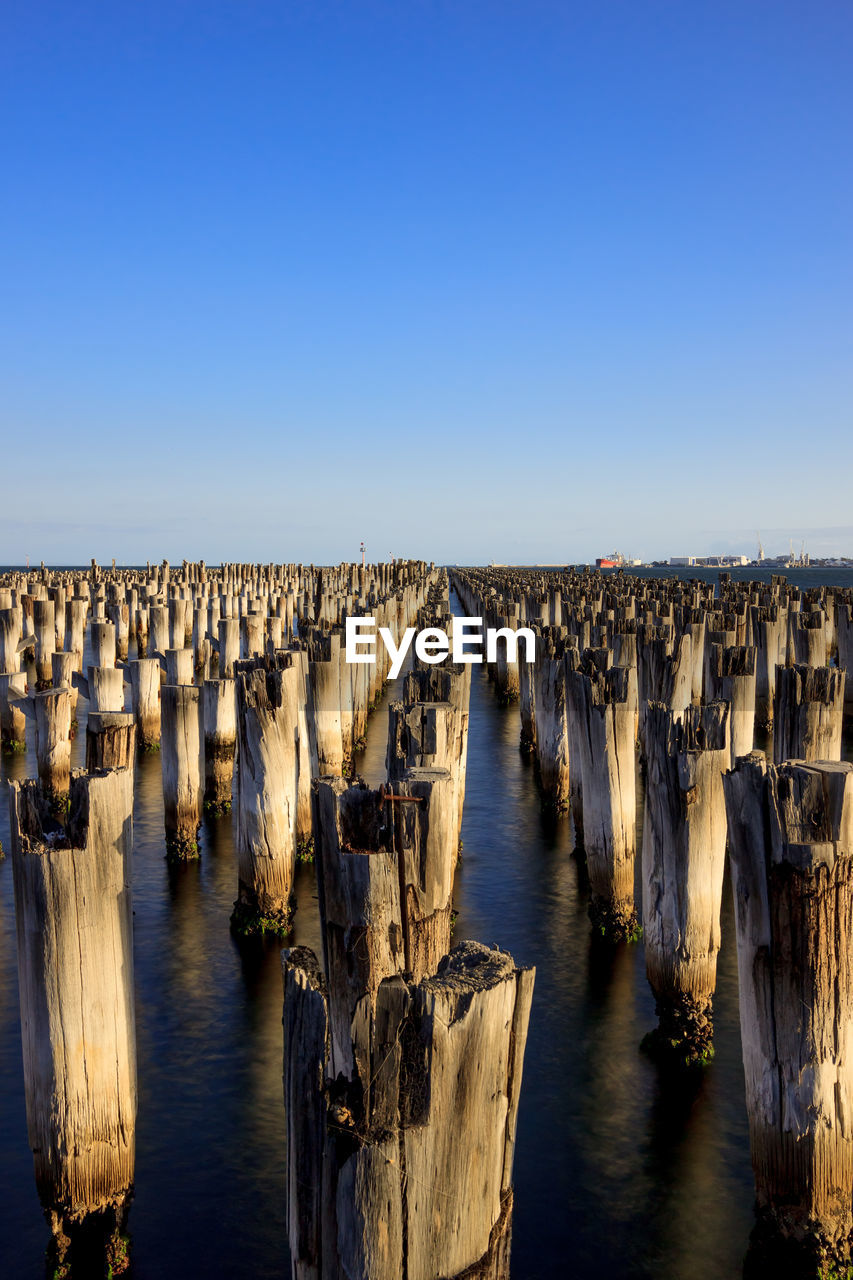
<point>620,1170</point>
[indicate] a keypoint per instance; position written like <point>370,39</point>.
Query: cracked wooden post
<point>219,699</point>
<point>142,630</point>
<point>808,714</point>
<point>844,641</point>
<point>791,848</point>
<point>11,630</point>
<point>62,669</point>
<point>13,722</point>
<point>145,701</point>
<point>110,740</point>
<point>119,615</point>
<point>768,631</point>
<point>158,628</point>
<point>732,679</point>
<point>44,629</point>
<point>75,629</point>
<point>449,683</point>
<point>603,705</point>
<point>684,846</point>
<point>103,637</point>
<point>178,665</point>
<point>267,781</point>
<point>385,880</point>
<point>228,646</point>
<point>104,688</point>
<point>182,761</point>
<point>53,740</point>
<point>324,705</point>
<point>75,973</point>
<point>552,740</point>
<point>407,1171</point>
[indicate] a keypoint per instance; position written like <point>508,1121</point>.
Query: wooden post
<point>767,631</point>
<point>44,628</point>
<point>178,664</point>
<point>844,641</point>
<point>103,636</point>
<point>181,757</point>
<point>53,740</point>
<point>219,701</point>
<point>266,796</point>
<point>807,718</point>
<point>791,841</point>
<point>11,624</point>
<point>75,974</point>
<point>62,668</point>
<point>447,683</point>
<point>408,1170</point>
<point>142,626</point>
<point>105,688</point>
<point>684,846</point>
<point>119,615</point>
<point>603,706</point>
<point>145,701</point>
<point>324,705</point>
<point>110,740</point>
<point>552,741</point>
<point>732,674</point>
<point>229,646</point>
<point>13,732</point>
<point>75,630</point>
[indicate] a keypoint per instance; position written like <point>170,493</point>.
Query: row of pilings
<point>402,1053</point>
<point>624,682</point>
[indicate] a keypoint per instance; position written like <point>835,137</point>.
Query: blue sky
<point>470,281</point>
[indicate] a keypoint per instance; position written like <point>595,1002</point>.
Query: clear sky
<point>469,280</point>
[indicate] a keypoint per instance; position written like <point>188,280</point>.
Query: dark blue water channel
<point>620,1170</point>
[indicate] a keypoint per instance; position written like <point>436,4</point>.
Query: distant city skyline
<point>470,282</point>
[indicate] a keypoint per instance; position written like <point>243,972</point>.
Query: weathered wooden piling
<point>791,843</point>
<point>53,740</point>
<point>219,703</point>
<point>732,679</point>
<point>324,704</point>
<point>103,638</point>
<point>228,646</point>
<point>266,798</point>
<point>62,669</point>
<point>178,665</point>
<point>844,642</point>
<point>13,723</point>
<point>808,713</point>
<point>182,760</point>
<point>110,740</point>
<point>450,684</point>
<point>75,630</point>
<point>119,615</point>
<point>11,624</point>
<point>75,973</point>
<point>385,877</point>
<point>44,630</point>
<point>603,706</point>
<point>407,1169</point>
<point>145,700</point>
<point>684,845</point>
<point>552,740</point>
<point>104,688</point>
